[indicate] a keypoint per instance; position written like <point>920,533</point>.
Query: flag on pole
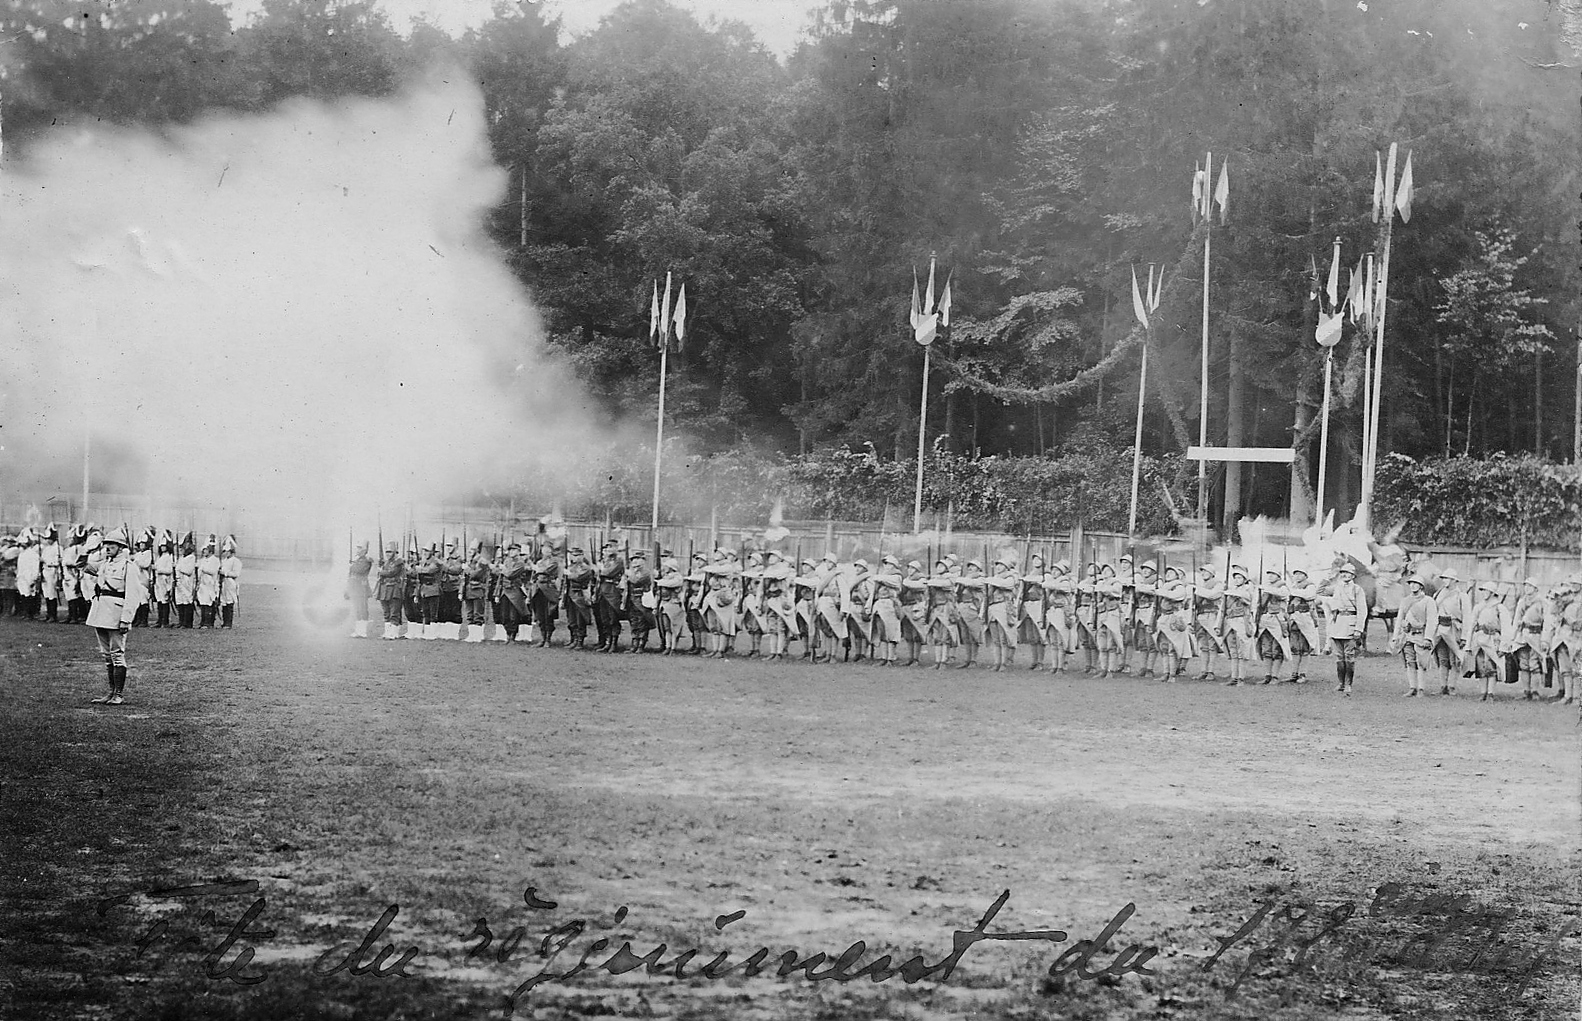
<point>680,318</point>
<point>1312,277</point>
<point>1333,288</point>
<point>1222,191</point>
<point>1329,329</point>
<point>928,295</point>
<point>1137,301</point>
<point>923,323</point>
<point>653,317</point>
<point>1197,191</point>
<point>1403,195</point>
<point>664,314</point>
<point>1354,292</point>
<point>1154,287</point>
<point>1378,186</point>
<point>944,301</point>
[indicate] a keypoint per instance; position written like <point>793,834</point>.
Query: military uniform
<point>1237,626</point>
<point>10,603</point>
<point>912,611</point>
<point>29,566</point>
<point>429,577</point>
<point>1485,646</point>
<point>1416,627</point>
<point>1302,631</point>
<point>71,575</point>
<point>510,592</point>
<point>450,585</point>
<point>208,583</point>
<point>694,587</point>
<point>475,590</point>
<point>670,615</point>
<point>50,578</point>
<point>546,594</point>
<point>117,593</point>
<point>1347,607</point>
<point>391,589</point>
<point>580,594</point>
<point>1273,624</point>
<point>230,582</point>
<point>639,581</point>
<point>1174,628</point>
<point>607,605</point>
<point>357,591</point>
<point>186,582</point>
<point>1526,637</point>
<point>1453,633</point>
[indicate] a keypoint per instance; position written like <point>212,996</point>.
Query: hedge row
<point>1012,494</point>
<point>1481,502</point>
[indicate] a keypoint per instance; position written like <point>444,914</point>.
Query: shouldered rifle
<point>1224,599</point>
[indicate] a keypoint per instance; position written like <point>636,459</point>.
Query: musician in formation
<point>1144,618</point>
<point>55,582</point>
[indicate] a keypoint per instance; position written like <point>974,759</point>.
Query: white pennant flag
<point>653,316</point>
<point>680,318</point>
<point>1137,301</point>
<point>664,313</point>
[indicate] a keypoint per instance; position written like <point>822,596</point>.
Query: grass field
<point>830,804</point>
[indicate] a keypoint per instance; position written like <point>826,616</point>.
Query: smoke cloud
<point>299,308</point>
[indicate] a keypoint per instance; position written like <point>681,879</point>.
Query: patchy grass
<point>829,804</point>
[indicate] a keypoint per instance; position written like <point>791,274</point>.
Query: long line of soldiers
<point>1115,618</point>
<point>185,582</point>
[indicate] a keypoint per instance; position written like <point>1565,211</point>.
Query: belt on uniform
<point>1532,628</point>
<point>1413,630</point>
<point>1345,613</point>
<point>1446,621</point>
<point>113,592</point>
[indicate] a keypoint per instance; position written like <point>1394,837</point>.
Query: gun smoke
<point>299,310</point>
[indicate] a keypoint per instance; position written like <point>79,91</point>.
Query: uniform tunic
<point>230,579</point>
<point>186,579</point>
<point>165,578</point>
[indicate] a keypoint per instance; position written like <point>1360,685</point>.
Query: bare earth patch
<point>829,804</point>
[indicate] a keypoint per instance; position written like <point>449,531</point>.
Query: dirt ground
<point>830,804</point>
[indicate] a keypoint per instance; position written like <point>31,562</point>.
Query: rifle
<point>626,582</point>
<point>380,521</point>
<point>1224,599</point>
<point>984,602</point>
<point>1257,616</point>
<point>1132,625</point>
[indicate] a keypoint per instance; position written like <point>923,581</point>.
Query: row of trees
<point>1039,147</point>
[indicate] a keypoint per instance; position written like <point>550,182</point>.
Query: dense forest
<point>1038,149</point>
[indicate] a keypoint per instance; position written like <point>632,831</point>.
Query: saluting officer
<point>118,592</point>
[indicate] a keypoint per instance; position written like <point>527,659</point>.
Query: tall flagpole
<point>1143,306</point>
<point>659,431</point>
<point>1323,435</point>
<point>1137,439</point>
<point>1372,452</point>
<point>922,426</point>
<point>1202,427</point>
